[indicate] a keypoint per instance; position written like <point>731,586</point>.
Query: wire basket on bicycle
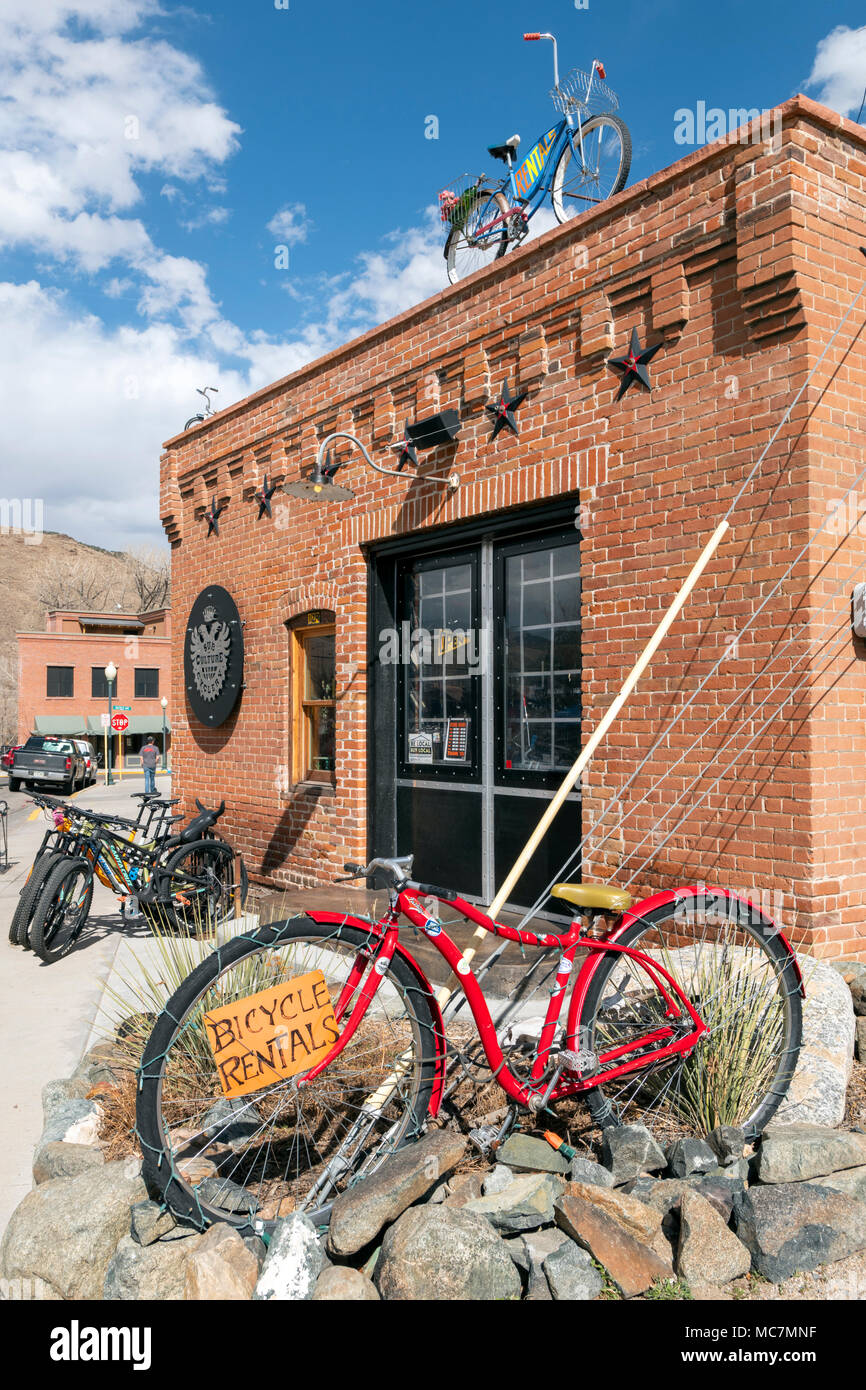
<point>457,199</point>
<point>584,92</point>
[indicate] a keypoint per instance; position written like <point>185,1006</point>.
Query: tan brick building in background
<point>61,681</point>
<point>740,260</point>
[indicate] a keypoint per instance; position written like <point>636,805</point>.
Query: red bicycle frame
<point>371,964</point>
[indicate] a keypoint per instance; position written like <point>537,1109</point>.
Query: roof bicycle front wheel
<point>475,243</point>
<point>281,1147</point>
<point>579,185</point>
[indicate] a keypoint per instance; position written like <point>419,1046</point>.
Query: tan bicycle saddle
<point>593,895</point>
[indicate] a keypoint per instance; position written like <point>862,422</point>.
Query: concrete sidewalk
<point>47,1012</point>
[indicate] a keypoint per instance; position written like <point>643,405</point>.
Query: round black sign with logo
<point>213,656</point>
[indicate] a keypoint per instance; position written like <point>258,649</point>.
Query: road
<point>47,1012</point>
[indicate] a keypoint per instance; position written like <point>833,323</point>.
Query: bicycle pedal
<point>583,1062</point>
<point>482,1138</point>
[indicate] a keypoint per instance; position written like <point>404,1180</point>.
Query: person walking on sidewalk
<point>149,759</point>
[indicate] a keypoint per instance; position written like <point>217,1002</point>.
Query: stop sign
<point>119,722</point>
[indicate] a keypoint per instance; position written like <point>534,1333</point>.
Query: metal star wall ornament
<point>407,450</point>
<point>212,518</point>
<point>502,411</point>
<point>263,497</point>
<point>633,366</point>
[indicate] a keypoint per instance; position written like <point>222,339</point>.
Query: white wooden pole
<point>588,750</point>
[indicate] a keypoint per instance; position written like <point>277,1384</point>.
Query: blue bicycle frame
<point>531,182</point>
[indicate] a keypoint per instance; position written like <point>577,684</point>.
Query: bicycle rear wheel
<point>62,908</point>
<point>577,186</point>
<point>728,959</point>
<point>283,1147</point>
<point>197,888</point>
<point>469,246</point>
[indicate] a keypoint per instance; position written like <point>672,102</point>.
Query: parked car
<point>45,758</point>
<point>9,751</point>
<point>88,753</point>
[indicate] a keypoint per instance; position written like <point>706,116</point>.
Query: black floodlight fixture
<point>319,485</point>
<point>428,434</point>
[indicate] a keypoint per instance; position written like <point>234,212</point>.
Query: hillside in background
<point>61,572</point>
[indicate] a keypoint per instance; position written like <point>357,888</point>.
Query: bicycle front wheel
<point>480,239</point>
<point>579,185</point>
<point>742,980</point>
<point>62,908</point>
<point>287,1146</point>
<point>19,927</point>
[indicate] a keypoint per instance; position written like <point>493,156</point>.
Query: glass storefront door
<point>488,708</point>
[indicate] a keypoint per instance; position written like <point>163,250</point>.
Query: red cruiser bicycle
<point>684,1012</point>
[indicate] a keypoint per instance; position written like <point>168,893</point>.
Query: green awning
<point>138,724</point>
<point>69,725</point>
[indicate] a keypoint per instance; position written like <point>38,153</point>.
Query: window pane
<point>98,683</point>
<point>59,682</point>
<point>321,738</point>
<point>146,683</point>
<point>566,559</point>
<point>542,659</point>
<point>536,604</point>
<point>320,674</point>
<point>566,648</point>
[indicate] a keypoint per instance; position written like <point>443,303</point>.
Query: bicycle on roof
<point>578,163</point>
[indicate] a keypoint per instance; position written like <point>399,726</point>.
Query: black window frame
<point>142,671</point>
<point>59,694</point>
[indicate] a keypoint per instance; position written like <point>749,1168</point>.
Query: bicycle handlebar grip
<point>434,891</point>
<point>531,36</point>
<point>354,868</point>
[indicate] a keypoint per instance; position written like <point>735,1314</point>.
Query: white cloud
<point>839,70</point>
<point>291,224</point>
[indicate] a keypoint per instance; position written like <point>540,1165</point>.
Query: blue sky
<point>153,155</point>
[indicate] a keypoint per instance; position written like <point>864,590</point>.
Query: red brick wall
<point>739,258</point>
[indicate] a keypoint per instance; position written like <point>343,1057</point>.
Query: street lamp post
<point>164,703</point>
<point>111,677</point>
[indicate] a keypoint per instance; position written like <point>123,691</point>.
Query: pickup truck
<point>44,759</point>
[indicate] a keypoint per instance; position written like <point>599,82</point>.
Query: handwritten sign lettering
<point>273,1034</point>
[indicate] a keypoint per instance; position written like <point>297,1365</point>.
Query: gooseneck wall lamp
<point>319,485</point>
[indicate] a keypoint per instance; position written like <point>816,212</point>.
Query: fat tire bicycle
<point>683,1011</point>
<point>578,163</point>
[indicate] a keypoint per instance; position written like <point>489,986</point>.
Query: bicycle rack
<point>4,836</point>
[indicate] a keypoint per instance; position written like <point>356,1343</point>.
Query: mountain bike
<point>579,163</point>
<point>186,881</point>
<point>680,1012</point>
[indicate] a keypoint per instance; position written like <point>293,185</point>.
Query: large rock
<point>537,1245</point>
<point>852,1181</point>
<point>360,1213</point>
<point>791,1227</point>
<point>465,1187</point>
<point>496,1180</point>
<point>59,1160</point>
<point>860,1040</point>
<point>447,1255</point>
<point>708,1253</point>
<point>293,1262</point>
<point>585,1170</point>
<point>338,1284</point>
<point>571,1274</point>
<point>72,1122</point>
<point>528,1154</point>
<point>142,1273</point>
<point>222,1267</point>
<point>631,1264</point>
<point>687,1156</point>
<point>728,1144</point>
<point>634,1217</point>
<point>524,1205</point>
<point>57,1093</point>
<point>148,1221</point>
<point>65,1231</point>
<point>792,1152</point>
<point>629,1150</point>
<point>858,995</point>
<point>817,1091</point>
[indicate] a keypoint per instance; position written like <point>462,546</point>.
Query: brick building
<point>739,259</point>
<point>61,678</point>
